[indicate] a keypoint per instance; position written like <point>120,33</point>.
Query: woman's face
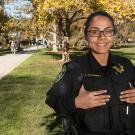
<point>100,35</point>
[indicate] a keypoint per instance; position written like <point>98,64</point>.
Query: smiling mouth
<point>101,44</point>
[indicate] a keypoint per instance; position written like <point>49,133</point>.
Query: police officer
<point>97,89</point>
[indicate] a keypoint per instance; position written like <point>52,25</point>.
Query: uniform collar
<point>96,67</point>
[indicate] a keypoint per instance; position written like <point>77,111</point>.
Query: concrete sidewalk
<point>10,61</point>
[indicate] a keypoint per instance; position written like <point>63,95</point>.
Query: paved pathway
<point>9,61</point>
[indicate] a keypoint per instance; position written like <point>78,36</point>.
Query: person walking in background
<point>45,42</point>
<point>13,47</point>
<point>36,42</point>
<point>66,51</point>
<point>97,90</point>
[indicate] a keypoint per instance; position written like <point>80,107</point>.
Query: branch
<point>76,12</point>
<point>80,18</point>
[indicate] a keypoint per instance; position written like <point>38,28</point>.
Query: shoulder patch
<point>61,74</point>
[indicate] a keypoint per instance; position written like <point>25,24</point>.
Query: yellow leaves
<point>120,9</point>
<point>60,4</point>
<point>45,7</point>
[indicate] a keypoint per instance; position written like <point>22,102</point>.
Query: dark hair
<point>98,13</point>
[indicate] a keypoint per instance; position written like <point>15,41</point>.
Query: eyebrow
<point>99,28</point>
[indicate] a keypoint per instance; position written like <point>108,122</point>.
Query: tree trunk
<point>55,39</point>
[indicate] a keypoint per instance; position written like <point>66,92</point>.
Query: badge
<point>119,69</point>
<point>61,74</point>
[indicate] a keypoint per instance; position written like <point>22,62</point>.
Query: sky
<point>10,8</point>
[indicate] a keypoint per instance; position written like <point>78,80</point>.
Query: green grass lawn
<point>22,94</point>
<point>128,52</point>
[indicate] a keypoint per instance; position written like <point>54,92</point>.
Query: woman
<point>97,89</point>
<point>13,47</point>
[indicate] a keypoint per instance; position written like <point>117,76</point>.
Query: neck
<point>102,59</point>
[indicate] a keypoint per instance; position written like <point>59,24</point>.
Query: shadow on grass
<point>126,45</point>
<point>58,55</point>
<point>130,56</point>
<point>54,55</point>
<point>53,123</point>
<point>16,93</point>
<point>14,80</point>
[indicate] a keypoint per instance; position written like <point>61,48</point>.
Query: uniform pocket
<point>89,83</point>
<point>117,117</point>
<point>97,119</point>
<point>117,87</point>
<point>120,83</point>
<point>95,83</point>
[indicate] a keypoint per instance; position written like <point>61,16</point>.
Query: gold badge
<point>119,69</point>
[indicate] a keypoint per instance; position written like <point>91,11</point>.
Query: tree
<point>21,24</point>
<point>124,13</point>
<point>4,21</point>
<point>120,9</point>
<point>64,12</point>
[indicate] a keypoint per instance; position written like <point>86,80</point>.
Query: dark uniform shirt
<point>117,76</point>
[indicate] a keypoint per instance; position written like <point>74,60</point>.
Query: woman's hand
<point>86,99</point>
<point>128,95</point>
